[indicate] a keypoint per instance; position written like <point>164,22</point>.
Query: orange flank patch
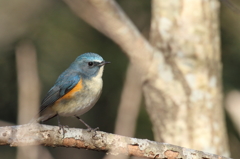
<point>75,89</point>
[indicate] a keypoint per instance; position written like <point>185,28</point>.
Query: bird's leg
<point>89,128</point>
<point>60,126</point>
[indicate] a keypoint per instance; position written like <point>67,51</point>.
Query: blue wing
<point>65,82</point>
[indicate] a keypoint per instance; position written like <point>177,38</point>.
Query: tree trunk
<point>181,70</point>
<point>28,91</point>
<point>184,97</point>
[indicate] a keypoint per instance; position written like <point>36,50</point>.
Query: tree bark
<point>188,100</point>
<point>35,134</point>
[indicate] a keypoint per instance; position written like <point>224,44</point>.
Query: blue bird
<point>76,90</point>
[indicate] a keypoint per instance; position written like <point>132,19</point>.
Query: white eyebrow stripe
<point>97,61</point>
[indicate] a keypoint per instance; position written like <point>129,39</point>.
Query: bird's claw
<point>63,130</point>
<point>93,130</point>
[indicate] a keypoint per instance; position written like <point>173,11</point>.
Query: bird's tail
<point>43,116</point>
<point>34,119</point>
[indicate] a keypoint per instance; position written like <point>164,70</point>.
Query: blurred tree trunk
<point>186,107</point>
<point>180,69</point>
<point>28,82</point>
<point>28,95</point>
<point>28,92</point>
<point>129,106</point>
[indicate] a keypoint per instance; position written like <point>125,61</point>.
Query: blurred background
<point>50,37</point>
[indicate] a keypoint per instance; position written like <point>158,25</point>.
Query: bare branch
<point>107,17</point>
<point>36,134</point>
<point>130,104</point>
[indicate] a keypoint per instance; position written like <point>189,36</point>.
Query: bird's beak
<point>104,63</point>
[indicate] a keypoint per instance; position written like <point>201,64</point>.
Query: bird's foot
<point>94,130</point>
<point>91,129</point>
<point>63,129</point>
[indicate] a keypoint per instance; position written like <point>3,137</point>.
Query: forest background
<point>59,36</point>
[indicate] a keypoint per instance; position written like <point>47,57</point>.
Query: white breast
<point>83,100</point>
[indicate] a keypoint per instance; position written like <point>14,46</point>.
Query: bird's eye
<point>90,63</point>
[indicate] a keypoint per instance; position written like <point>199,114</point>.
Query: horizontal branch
<point>37,134</point>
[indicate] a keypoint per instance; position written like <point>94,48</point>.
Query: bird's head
<point>89,65</point>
